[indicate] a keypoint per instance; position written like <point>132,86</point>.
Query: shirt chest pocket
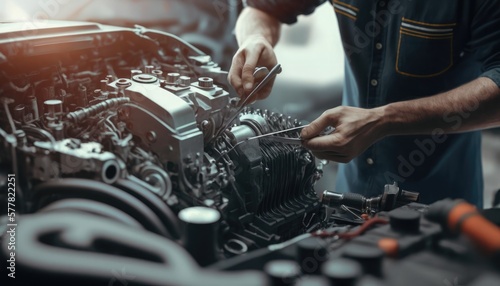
<point>424,49</point>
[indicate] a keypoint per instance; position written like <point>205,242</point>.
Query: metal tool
<point>286,140</point>
<point>271,136</point>
<point>260,72</point>
<point>274,71</point>
<point>292,141</point>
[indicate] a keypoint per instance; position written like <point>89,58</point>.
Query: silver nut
<point>205,82</point>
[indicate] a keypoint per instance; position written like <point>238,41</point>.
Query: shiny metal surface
<point>274,71</point>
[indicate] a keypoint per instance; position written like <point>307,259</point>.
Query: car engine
<point>112,155</point>
<point>139,107</point>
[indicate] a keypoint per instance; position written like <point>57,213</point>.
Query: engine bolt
<point>158,74</point>
<point>134,73</point>
<point>205,124</point>
<point>185,80</point>
<point>151,136</point>
<point>172,77</point>
<point>21,138</point>
<point>104,84</point>
<point>148,69</point>
<point>206,82</point>
<point>305,159</point>
<point>123,82</point>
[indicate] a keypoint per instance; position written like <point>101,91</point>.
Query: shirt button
<point>381,3</point>
<point>378,46</point>
<point>369,161</point>
<point>374,82</point>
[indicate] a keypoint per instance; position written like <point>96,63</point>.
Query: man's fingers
<point>251,59</point>
<point>323,143</point>
<point>234,75</point>
<point>317,126</point>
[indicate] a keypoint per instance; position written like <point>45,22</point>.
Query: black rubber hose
<point>93,207</point>
<point>160,208</point>
<point>353,200</point>
<point>94,190</point>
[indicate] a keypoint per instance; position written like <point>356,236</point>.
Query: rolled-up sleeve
<point>286,11</point>
<point>485,37</point>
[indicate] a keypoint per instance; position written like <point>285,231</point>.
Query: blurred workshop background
<point>310,53</point>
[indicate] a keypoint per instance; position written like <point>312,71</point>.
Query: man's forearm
<point>475,105</point>
<point>253,22</point>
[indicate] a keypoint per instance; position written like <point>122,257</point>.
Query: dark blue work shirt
<point>400,50</point>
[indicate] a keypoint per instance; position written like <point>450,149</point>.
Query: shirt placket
<point>374,93</point>
<point>378,46</point>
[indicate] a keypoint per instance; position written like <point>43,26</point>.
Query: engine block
<point>136,106</point>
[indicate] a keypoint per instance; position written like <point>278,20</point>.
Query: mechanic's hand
<point>255,51</point>
<point>355,130</point>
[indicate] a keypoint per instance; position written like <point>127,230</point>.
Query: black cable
<point>153,202</point>
<point>92,207</point>
<point>98,191</point>
<point>38,131</point>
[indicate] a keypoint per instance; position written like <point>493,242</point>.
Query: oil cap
<point>311,253</point>
<point>370,257</point>
<point>404,220</point>
<point>282,272</point>
<point>200,228</point>
<point>342,271</point>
